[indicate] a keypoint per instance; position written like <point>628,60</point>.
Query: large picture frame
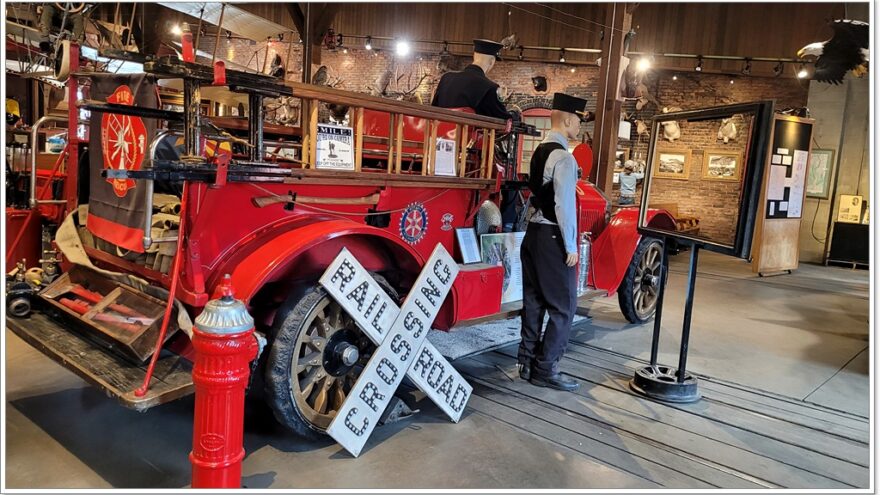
<point>722,165</point>
<point>671,163</point>
<point>820,172</point>
<point>752,178</point>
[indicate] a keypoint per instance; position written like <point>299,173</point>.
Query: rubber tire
<point>625,291</point>
<point>277,373</point>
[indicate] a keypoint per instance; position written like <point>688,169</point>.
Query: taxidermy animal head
<point>539,83</point>
<point>644,97</point>
<point>727,131</point>
<point>671,130</point>
<point>641,128</point>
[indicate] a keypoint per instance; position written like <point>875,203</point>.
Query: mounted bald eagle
<point>846,50</point>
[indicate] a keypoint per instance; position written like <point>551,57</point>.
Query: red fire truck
<point>274,226</point>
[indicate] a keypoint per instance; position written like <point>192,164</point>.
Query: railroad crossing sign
<point>401,337</point>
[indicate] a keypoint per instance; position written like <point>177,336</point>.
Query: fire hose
<point>175,271</point>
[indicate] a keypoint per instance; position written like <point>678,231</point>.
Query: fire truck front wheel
<point>317,355</point>
<point>639,289</point>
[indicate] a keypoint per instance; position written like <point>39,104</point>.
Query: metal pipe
<point>35,136</point>
<point>148,113</point>
<point>148,197</point>
<point>658,315</point>
<point>191,101</point>
<point>688,310</point>
<point>217,39</point>
<point>255,126</point>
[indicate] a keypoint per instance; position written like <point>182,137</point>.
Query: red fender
<point>614,249</point>
<point>304,252</point>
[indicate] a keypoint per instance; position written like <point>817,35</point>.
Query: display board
<point>777,231</point>
<point>790,152</point>
<point>709,175</point>
<point>503,250</point>
<point>334,148</point>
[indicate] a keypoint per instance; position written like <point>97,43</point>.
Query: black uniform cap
<point>570,104</point>
<point>487,47</point>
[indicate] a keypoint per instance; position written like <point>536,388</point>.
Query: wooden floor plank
<point>648,424</point>
<point>809,415</point>
<point>631,454</point>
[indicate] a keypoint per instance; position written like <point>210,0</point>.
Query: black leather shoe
<point>525,371</point>
<point>557,381</point>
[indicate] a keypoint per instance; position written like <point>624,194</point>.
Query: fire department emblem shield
<point>414,223</point>
<point>123,140</point>
<point>447,219</point>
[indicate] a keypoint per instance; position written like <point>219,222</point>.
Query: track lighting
<point>699,67</point>
<point>802,73</point>
<point>445,50</point>
<point>175,30</point>
<point>520,53</point>
<point>777,71</point>
<point>368,45</point>
<point>675,77</point>
<point>747,67</point>
<point>402,48</point>
<point>562,56</point>
<point>643,64</point>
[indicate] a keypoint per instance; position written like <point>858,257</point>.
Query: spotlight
<point>520,53</point>
<point>368,45</point>
<point>345,50</point>
<point>699,67</point>
<point>747,67</point>
<point>802,74</point>
<point>675,78</point>
<point>339,40</point>
<point>643,64</point>
<point>731,81</point>
<point>445,50</point>
<point>402,48</point>
<point>572,70</point>
<point>175,30</point>
<point>562,56</point>
<point>777,71</point>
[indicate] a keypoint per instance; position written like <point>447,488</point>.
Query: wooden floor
<point>735,437</point>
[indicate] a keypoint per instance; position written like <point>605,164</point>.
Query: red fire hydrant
<point>223,337</point>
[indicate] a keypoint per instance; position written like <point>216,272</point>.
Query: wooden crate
<point>137,341</point>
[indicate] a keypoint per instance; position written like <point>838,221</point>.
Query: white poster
<point>334,148</point>
<point>798,182</point>
<point>503,250</point>
<point>444,160</point>
<point>776,187</point>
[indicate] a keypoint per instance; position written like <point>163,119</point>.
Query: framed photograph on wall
<point>722,165</point>
<point>819,173</point>
<point>672,164</point>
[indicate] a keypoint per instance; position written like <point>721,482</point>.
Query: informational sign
<point>445,157</point>
<point>788,169</point>
<point>467,244</point>
<point>503,250</point>
<point>334,148</point>
<point>400,334</point>
<point>850,209</point>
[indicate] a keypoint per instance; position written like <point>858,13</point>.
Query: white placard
<point>783,206</point>
<point>772,209</point>
<point>776,186</point>
<point>334,148</point>
<point>782,151</point>
<point>503,250</point>
<point>786,160</point>
<point>776,160</point>
<point>798,182</point>
<point>401,347</point>
<point>444,159</point>
<point>467,244</point>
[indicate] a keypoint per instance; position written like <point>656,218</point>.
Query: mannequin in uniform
<point>549,250</point>
<point>470,87</point>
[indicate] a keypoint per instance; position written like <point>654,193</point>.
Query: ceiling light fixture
<point>802,73</point>
<point>368,45</point>
<point>747,67</point>
<point>699,67</point>
<point>572,70</point>
<point>445,50</point>
<point>175,30</point>
<point>643,64</point>
<point>402,48</point>
<point>675,77</point>
<point>562,56</point>
<point>520,53</point>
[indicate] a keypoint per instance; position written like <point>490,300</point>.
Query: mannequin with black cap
<point>549,250</point>
<point>470,87</point>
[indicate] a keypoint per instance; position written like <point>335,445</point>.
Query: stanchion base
<point>660,383</point>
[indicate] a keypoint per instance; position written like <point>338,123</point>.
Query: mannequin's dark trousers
<point>548,289</point>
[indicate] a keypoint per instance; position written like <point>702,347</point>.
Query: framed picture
<point>620,158</point>
<point>819,173</point>
<point>467,244</point>
<point>722,165</point>
<point>850,209</point>
<point>503,250</point>
<point>672,164</point>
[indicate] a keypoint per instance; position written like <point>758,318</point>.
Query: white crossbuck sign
<point>402,346</point>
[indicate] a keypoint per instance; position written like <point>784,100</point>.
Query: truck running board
<point>116,376</point>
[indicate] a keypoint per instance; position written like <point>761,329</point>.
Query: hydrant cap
<point>224,316</point>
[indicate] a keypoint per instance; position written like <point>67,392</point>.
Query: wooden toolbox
<point>119,316</point>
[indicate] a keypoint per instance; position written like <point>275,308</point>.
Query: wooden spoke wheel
<point>638,292</point>
<point>316,358</point>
